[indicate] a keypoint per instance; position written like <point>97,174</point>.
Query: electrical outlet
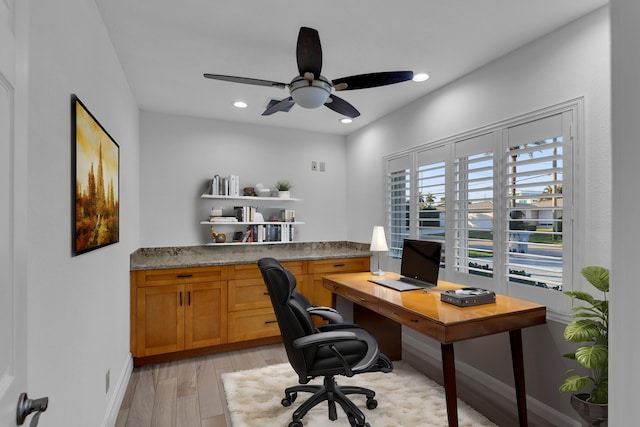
<point>107,381</point>
<point>314,166</point>
<point>322,167</point>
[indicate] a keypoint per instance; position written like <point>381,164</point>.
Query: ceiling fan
<point>310,89</point>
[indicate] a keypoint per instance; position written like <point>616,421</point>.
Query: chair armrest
<point>323,339</point>
<point>327,313</point>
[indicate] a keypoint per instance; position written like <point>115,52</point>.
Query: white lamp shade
<point>378,240</point>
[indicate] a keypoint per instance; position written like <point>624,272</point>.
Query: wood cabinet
<point>251,315</point>
<point>177,309</point>
<point>187,311</point>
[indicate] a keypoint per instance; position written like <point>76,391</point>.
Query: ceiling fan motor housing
<point>310,94</point>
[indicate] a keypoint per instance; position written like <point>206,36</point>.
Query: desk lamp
<point>378,244</point>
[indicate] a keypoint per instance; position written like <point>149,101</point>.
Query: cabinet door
<point>160,319</point>
<point>205,315</point>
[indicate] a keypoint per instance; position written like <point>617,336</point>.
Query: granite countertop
<point>202,256</point>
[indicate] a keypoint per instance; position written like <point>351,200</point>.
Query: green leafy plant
<point>283,186</point>
<point>590,325</point>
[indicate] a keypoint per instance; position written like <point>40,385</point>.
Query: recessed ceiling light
<point>240,104</point>
<point>420,77</point>
<point>346,120</point>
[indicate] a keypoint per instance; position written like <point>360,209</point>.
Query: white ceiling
<point>165,46</point>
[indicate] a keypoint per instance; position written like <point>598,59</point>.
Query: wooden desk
<point>444,322</point>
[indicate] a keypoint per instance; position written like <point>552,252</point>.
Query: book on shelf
<point>288,215</point>
<point>245,213</point>
<point>248,236</point>
<point>215,185</point>
<point>234,185</point>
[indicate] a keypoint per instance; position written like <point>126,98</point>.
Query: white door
<point>13,205</point>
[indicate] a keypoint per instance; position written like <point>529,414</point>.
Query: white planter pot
<point>284,194</point>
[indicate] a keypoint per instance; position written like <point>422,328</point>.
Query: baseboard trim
<point>491,397</point>
<point>111,415</point>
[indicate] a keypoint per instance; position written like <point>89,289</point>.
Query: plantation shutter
<point>473,205</point>
<point>430,201</point>
<point>534,175</point>
<point>398,188</point>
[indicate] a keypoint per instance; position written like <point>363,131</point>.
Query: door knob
<point>27,406</point>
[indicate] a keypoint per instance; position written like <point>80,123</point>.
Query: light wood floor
<point>188,392</point>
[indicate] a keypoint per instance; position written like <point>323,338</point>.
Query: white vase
<point>284,194</point>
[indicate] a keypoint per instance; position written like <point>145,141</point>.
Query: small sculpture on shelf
<point>218,237</point>
<point>261,191</point>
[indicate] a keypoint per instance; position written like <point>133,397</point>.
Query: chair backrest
<point>293,319</point>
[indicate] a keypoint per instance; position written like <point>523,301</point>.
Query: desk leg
<point>449,374</point>
<point>515,338</point>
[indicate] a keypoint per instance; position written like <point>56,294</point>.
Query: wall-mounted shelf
<point>249,198</point>
<point>221,223</point>
<point>258,232</point>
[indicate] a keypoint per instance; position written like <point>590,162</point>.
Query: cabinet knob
<point>27,406</point>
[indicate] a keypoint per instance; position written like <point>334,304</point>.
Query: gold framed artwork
<point>96,182</point>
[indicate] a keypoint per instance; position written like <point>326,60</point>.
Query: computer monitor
<point>421,260</point>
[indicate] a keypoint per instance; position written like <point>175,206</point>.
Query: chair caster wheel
<point>372,404</point>
<point>288,400</point>
<point>295,424</point>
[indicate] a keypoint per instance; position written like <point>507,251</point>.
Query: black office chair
<point>327,351</point>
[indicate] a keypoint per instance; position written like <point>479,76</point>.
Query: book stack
<point>288,215</point>
<point>227,186</point>
<point>245,213</point>
<point>266,233</point>
<point>223,219</point>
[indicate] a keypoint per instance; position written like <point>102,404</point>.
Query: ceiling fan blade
<point>309,52</point>
<point>245,80</point>
<point>341,106</point>
<point>363,81</point>
<point>283,105</point>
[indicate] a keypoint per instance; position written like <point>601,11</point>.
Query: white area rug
<point>406,398</point>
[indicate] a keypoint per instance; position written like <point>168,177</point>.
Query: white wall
<point>625,292</point>
<point>569,63</point>
<point>78,307</point>
<point>180,155</point>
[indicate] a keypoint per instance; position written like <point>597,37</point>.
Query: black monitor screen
<point>421,260</point>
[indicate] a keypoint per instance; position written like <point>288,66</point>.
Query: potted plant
<point>284,188</point>
<point>590,326</point>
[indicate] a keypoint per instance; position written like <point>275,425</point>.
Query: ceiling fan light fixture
<point>240,104</point>
<point>310,94</point>
<point>346,121</point>
<point>420,77</point>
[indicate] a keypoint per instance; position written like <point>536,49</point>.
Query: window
<point>499,199</point>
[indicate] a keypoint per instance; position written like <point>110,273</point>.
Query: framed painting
<point>96,182</point>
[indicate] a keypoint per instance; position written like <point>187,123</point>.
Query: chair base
<point>333,394</point>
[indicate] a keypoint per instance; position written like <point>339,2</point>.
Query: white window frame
<point>573,191</point>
